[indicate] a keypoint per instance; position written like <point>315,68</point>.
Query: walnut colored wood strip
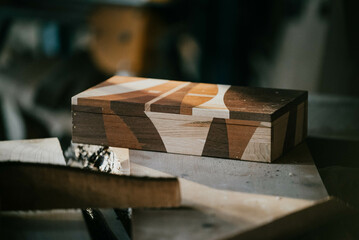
<point>238,139</point>
<point>25,186</point>
<point>135,103</point>
<point>173,103</point>
<point>217,140</point>
<point>118,133</point>
<point>88,128</point>
<point>278,136</point>
<point>290,132</point>
<point>199,94</point>
<point>299,124</point>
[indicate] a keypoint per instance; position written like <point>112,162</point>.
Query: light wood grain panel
<point>46,150</point>
<point>182,136</point>
<point>259,146</point>
<point>215,106</point>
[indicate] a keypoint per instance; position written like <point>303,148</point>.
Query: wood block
<point>255,124</point>
<point>33,175</point>
<point>26,186</point>
<point>45,150</point>
<point>228,199</point>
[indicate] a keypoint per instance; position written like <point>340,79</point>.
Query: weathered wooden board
<point>45,150</point>
<point>226,198</point>
<point>49,224</point>
<point>28,184</point>
<point>202,119</point>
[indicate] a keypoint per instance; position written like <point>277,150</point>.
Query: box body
<point>255,124</point>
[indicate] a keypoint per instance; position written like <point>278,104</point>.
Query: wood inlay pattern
<point>256,124</point>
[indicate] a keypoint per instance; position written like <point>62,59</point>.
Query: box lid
<point>134,96</point>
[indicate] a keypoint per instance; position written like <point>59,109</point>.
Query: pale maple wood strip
<point>46,150</point>
<point>177,117</point>
<point>182,136</point>
<point>215,106</point>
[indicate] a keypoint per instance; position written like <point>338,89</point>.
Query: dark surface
<point>338,165</point>
<point>29,186</point>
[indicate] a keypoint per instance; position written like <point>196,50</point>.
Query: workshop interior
<point>50,51</point>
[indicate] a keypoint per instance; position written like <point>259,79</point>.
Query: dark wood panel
<point>25,186</point>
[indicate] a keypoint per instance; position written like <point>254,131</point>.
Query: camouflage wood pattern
<point>256,124</point>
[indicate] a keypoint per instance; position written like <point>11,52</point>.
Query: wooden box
<point>256,124</point>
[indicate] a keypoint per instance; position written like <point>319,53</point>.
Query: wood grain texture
<point>25,186</point>
<point>238,139</point>
<point>183,135</point>
<point>118,132</point>
<point>46,150</point>
<point>183,117</point>
<point>211,100</point>
<point>225,198</point>
<point>217,140</point>
<point>259,146</point>
<point>33,175</point>
<point>88,128</point>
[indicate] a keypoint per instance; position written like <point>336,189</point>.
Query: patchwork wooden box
<point>256,124</point>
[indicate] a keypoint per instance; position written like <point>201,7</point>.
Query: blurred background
<point>52,50</point>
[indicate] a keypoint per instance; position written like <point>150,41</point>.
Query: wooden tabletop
<point>222,198</point>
